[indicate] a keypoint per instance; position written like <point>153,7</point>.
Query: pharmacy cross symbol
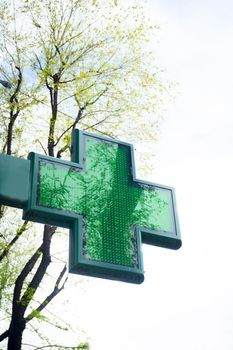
<point>109,212</point>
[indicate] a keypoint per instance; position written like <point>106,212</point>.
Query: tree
<point>67,64</point>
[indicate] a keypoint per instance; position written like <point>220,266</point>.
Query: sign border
<point>74,221</point>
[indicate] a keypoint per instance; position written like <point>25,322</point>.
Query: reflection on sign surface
<point>111,203</point>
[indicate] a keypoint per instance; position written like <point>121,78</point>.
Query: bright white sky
<point>186,301</point>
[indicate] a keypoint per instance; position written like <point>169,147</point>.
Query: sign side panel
<point>14,181</point>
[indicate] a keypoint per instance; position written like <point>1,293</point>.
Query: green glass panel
<point>110,202</point>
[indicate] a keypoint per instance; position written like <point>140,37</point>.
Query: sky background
<point>186,301</point>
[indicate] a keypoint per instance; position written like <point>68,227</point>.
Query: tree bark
<point>14,111</point>
<point>54,102</point>
<point>16,334</point>
<point>21,302</point>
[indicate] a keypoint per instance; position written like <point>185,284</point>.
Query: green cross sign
<point>109,212</point>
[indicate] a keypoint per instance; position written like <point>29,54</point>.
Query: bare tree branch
<point>62,150</point>
<point>83,346</point>
<point>52,295</point>
<point>4,335</point>
<point>13,113</point>
<point>44,149</point>
<point>96,97</point>
<point>72,126</point>
<point>19,232</point>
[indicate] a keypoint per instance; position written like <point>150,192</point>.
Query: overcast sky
<point>186,301</point>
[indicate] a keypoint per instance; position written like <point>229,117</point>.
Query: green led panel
<point>108,210</point>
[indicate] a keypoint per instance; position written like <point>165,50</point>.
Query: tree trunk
<point>21,302</point>
<point>16,335</point>
<point>9,135</point>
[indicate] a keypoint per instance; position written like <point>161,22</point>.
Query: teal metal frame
<point>77,262</point>
<point>27,199</point>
